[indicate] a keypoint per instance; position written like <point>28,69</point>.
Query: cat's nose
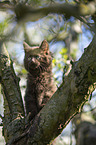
<point>33,60</point>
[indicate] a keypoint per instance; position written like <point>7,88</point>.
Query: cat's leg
<point>31,105</point>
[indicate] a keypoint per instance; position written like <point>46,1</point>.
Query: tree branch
<point>29,13</point>
<point>13,104</point>
<point>10,83</point>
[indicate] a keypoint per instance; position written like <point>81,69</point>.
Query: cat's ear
<point>26,47</point>
<point>44,45</point>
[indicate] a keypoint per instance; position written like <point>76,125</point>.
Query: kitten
<point>40,85</point>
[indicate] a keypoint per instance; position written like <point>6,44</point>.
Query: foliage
<point>64,33</point>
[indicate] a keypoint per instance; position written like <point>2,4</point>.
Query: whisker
<point>43,67</point>
<point>40,68</point>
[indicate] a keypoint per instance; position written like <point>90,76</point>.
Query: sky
<point>37,36</point>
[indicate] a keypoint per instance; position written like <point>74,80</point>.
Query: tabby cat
<point>40,84</point>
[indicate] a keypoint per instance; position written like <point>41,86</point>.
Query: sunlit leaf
<point>63,51</point>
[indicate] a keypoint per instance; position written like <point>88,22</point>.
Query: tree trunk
<point>56,114</point>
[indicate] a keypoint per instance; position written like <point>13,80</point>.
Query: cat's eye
<point>37,57</point>
<point>46,53</point>
<point>29,58</point>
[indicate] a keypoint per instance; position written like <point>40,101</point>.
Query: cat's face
<point>37,58</point>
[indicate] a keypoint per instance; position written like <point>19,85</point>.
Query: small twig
<point>90,110</point>
<point>64,71</point>
<point>83,19</point>
<point>1,124</point>
<point>1,116</point>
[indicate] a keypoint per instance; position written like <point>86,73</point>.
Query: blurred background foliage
<point>67,38</point>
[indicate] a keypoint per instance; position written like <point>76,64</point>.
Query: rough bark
<point>13,106</point>
<point>65,103</point>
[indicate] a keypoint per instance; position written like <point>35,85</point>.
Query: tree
<point>70,96</point>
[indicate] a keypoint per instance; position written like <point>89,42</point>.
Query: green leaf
<point>66,56</point>
<point>3,25</point>
<point>24,71</point>
<point>63,51</point>
<point>59,66</point>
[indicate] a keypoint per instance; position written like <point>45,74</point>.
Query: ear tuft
<point>44,45</point>
<point>26,47</point>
